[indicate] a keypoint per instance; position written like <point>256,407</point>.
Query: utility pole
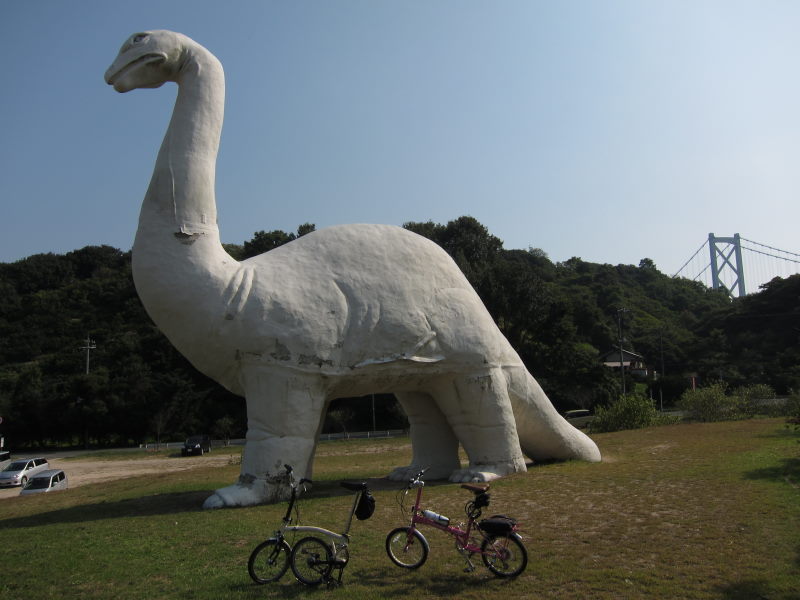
<point>620,313</point>
<point>90,345</point>
<point>661,387</point>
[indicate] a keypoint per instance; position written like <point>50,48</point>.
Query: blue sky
<point>612,130</point>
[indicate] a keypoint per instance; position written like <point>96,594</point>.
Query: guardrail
<point>388,433</point>
<point>324,437</point>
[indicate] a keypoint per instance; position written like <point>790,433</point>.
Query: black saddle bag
<point>497,525</point>
<point>366,506</point>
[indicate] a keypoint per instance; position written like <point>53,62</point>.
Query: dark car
<point>580,418</point>
<point>197,444</point>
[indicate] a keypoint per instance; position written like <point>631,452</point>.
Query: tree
<point>341,417</point>
<point>559,317</point>
<point>264,241</point>
<point>223,428</point>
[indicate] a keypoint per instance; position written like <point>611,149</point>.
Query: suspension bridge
<point>738,265</point>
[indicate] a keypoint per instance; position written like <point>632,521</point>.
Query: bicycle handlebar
<point>416,478</point>
<point>290,475</point>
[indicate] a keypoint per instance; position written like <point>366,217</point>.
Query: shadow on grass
<point>382,583</point>
<point>158,504</point>
<point>172,503</point>
<point>395,582</point>
<point>287,587</point>
<point>787,471</point>
<point>754,589</point>
<point>786,432</point>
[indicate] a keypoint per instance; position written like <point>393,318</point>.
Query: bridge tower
<point>722,249</point>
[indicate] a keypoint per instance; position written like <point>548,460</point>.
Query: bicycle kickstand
<point>470,567</point>
<point>337,564</point>
<point>467,557</point>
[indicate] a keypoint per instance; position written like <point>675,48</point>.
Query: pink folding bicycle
<point>496,539</point>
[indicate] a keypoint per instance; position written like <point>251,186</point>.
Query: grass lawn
<point>683,511</point>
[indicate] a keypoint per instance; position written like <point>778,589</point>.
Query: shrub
<point>713,403</point>
<point>710,403</point>
<point>754,399</point>
<point>633,411</point>
<point>793,410</point>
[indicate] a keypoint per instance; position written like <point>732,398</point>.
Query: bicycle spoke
<point>269,561</point>
<point>505,556</point>
<point>311,561</point>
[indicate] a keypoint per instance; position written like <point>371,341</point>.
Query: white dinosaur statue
<point>344,311</point>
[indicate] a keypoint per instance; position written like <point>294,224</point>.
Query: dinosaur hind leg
<point>284,414</point>
<point>543,433</point>
<point>478,409</point>
<point>433,443</point>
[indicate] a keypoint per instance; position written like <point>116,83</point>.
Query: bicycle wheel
<point>407,549</point>
<point>269,561</point>
<point>505,556</point>
<point>311,561</point>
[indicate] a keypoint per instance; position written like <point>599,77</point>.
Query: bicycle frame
<point>321,555</point>
<point>341,538</point>
<point>462,535</point>
<point>312,562</point>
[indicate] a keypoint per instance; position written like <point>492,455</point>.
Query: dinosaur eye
<point>139,37</point>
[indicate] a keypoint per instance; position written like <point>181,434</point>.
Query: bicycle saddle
<point>353,487</point>
<point>475,488</point>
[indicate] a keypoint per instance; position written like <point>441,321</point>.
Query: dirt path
<point>81,472</point>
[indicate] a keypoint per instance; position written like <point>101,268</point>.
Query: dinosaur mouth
<point>116,76</point>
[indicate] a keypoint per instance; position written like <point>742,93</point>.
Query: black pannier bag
<point>366,506</point>
<point>497,525</point>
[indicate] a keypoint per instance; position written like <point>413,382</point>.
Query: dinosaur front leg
<point>284,414</point>
<point>434,446</point>
<point>478,408</point>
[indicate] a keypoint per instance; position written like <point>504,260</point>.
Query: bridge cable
<point>690,260</point>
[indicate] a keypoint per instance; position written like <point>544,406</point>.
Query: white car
<point>18,472</point>
<point>46,481</point>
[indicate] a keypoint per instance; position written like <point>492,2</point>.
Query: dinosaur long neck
<point>180,199</point>
<point>179,266</point>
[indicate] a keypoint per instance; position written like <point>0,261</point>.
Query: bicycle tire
<point>504,555</point>
<point>269,561</point>
<point>409,552</point>
<point>311,561</point>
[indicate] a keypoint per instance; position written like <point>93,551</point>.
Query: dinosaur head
<point>147,60</point>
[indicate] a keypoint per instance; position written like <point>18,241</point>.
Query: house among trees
<point>631,362</point>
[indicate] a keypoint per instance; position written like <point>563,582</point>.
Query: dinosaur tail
<point>543,433</point>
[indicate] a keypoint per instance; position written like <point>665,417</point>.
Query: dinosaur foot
<point>432,472</point>
<point>246,492</point>
<point>484,473</point>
